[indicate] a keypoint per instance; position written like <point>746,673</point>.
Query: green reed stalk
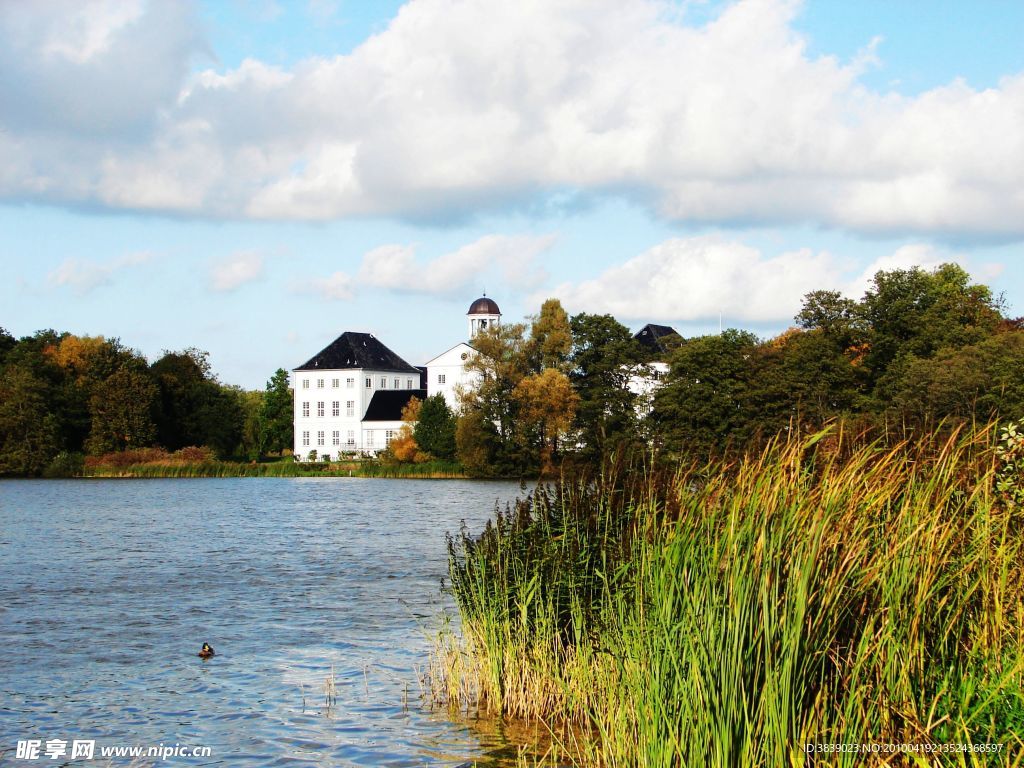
<point>728,615</point>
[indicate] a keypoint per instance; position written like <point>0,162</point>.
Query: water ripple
<point>109,587</point>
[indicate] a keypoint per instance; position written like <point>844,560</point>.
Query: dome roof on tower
<point>484,306</point>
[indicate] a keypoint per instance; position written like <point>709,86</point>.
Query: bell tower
<point>483,313</point>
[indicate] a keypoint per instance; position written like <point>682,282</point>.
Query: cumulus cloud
<point>462,107</point>
<point>338,286</point>
<point>511,260</point>
<point>235,271</point>
<point>693,279</point>
<point>83,275</point>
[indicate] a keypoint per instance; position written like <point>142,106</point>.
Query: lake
<point>109,588</point>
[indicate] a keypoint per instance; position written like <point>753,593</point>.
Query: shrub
<point>194,454</point>
<point>65,464</point>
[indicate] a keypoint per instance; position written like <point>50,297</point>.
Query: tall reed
<point>731,614</point>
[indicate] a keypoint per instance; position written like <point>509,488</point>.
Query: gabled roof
<point>387,404</point>
<point>652,336</point>
<point>356,350</point>
<point>460,344</point>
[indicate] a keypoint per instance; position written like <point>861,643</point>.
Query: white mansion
<point>349,396</point>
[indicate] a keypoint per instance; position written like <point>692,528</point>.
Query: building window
<point>350,383</point>
<point>305,383</point>
<point>398,383</point>
<point>335,383</point>
<point>305,408</point>
<point>388,434</point>
<point>320,408</point>
<point>369,382</point>
<point>336,437</point>
<point>320,437</point>
<point>440,378</point>
<point>305,437</point>
<point>336,408</point>
<point>408,383</point>
<point>369,438</point>
<point>351,438</point>
<point>319,383</point>
<point>383,382</point>
<point>350,407</point>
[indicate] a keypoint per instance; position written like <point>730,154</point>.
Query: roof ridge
<point>355,350</point>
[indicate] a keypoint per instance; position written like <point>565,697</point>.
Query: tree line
<point>64,396</point>
<point>921,346</point>
<point>918,347</point>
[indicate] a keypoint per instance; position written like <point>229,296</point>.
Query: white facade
<point>644,382</point>
<point>447,374</point>
<point>334,389</point>
<point>330,406</point>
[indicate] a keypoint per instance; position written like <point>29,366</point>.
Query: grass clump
<point>821,592</point>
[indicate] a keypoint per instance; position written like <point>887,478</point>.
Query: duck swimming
<point>206,652</point>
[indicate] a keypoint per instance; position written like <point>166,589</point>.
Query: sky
<point>254,177</point>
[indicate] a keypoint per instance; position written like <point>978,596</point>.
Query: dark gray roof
<point>387,404</point>
<point>652,336</point>
<point>356,350</point>
<point>484,306</point>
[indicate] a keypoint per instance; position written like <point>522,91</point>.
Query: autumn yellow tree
<point>547,406</point>
<point>75,353</point>
<point>403,445</point>
<point>551,336</point>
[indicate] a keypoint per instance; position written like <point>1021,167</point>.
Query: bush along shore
<point>202,462</point>
<point>826,591</point>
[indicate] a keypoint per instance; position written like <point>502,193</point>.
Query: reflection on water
<point>108,589</point>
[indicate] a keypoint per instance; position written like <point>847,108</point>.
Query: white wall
<point>447,373</point>
<point>644,382</point>
<point>342,394</point>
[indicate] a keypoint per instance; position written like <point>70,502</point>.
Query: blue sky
<point>253,178</point>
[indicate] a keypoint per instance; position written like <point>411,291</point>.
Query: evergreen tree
<point>435,430</point>
<point>278,414</point>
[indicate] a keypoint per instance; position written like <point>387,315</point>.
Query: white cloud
<point>697,278</point>
<point>338,286</point>
<point>236,270</point>
<point>509,260</point>
<point>83,276</point>
<point>462,107</point>
<point>914,255</point>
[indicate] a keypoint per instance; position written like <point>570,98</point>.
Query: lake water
<point>108,589</point>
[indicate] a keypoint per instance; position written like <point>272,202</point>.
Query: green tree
<point>503,359</point>
<point>800,379</point>
<point>254,430</point>
<point>29,428</point>
<point>121,409</point>
<point>477,444</point>
<point>195,409</point>
<point>978,382</point>
<point>7,343</point>
<point>604,356</point>
<point>278,413</point>
<point>704,404</point>
<point>913,312</point>
<point>435,430</point>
